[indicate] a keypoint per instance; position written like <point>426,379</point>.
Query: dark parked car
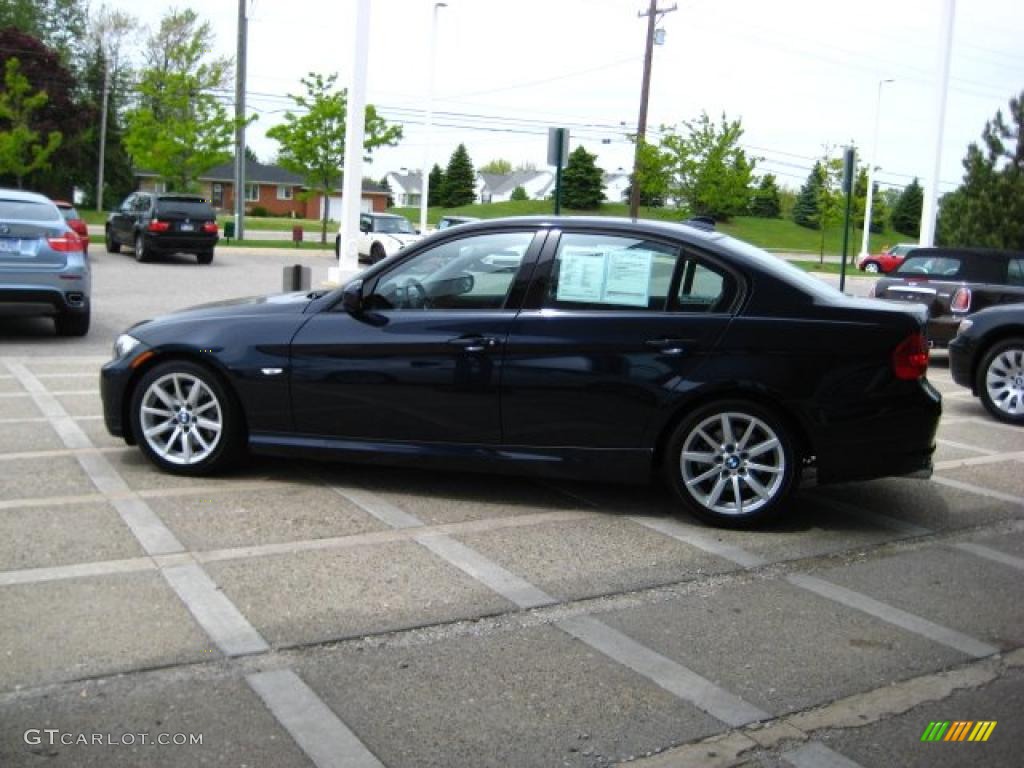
<point>590,348</point>
<point>952,282</point>
<point>153,224</point>
<point>445,222</point>
<point>987,355</point>
<point>43,266</point>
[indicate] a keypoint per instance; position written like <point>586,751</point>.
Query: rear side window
<point>27,210</point>
<point>593,271</point>
<point>931,266</point>
<point>68,213</point>
<point>1015,272</point>
<point>193,209</point>
<point>703,288</point>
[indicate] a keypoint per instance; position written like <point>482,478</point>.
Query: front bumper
<point>114,379</point>
<point>961,358</point>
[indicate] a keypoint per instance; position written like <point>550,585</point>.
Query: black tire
<point>179,447</point>
<point>1000,380</point>
<point>377,253</point>
<point>206,257</point>
<point>709,480</point>
<point>141,252</point>
<point>337,246</point>
<point>72,323</point>
<point>112,245</point>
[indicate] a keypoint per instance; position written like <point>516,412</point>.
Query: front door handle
<point>475,343</point>
<point>673,347</point>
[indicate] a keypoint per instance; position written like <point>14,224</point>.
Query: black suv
<point>153,223</point>
<point>953,282</point>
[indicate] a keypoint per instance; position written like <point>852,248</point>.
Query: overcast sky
<point>801,74</point>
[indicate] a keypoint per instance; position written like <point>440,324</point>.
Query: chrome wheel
<point>732,463</point>
<point>181,419</point>
<point>1004,381</point>
<point>872,267</point>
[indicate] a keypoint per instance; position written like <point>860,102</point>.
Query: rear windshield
<point>27,210</point>
<point>930,266</point>
<point>194,209</point>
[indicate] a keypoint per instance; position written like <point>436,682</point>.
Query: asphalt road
<point>297,614</point>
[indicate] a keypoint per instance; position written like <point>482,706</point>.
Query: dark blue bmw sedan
<point>574,347</point>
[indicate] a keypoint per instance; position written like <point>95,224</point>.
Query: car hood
<point>402,239</point>
<point>249,306</point>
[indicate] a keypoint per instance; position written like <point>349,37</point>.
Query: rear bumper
<point>30,300</point>
<point>942,329</point>
<point>177,243</point>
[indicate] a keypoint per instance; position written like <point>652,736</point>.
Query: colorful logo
<point>958,730</point>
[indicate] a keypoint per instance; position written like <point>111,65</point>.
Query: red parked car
<point>886,261</point>
<point>76,222</point>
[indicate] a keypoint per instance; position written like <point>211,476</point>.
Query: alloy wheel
<point>872,268</point>
<point>733,463</point>
<point>1004,381</point>
<point>181,418</point>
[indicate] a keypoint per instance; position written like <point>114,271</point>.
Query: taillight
<point>961,299</point>
<point>158,226</point>
<point>69,241</point>
<point>910,358</point>
<point>210,227</point>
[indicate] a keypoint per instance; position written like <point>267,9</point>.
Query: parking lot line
<point>977,489</point>
<point>79,570</point>
<point>318,732</point>
<point>377,507</point>
<point>667,674</point>
<point>57,452</point>
<point>964,446</point>
<point>991,554</point>
<point>892,615</point>
<point>689,535</point>
<point>216,614</point>
<point>814,754</point>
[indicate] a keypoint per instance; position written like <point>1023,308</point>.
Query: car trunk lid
<point>26,246</point>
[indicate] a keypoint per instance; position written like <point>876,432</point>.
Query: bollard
<point>229,230</point>
<point>297,235</point>
<point>297,278</point>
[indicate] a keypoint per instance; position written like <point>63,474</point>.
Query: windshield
<point>393,225</point>
<point>929,266</point>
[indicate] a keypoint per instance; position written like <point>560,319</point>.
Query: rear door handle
<point>475,343</point>
<point>674,347</point>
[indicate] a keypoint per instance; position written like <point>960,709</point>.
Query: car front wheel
<point>732,463</point>
<point>872,267</point>
<point>1001,381</point>
<point>184,419</point>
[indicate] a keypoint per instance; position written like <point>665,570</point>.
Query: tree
<point>987,209</point>
<point>519,193</point>
<point>805,210</point>
<point>60,25</point>
<point>391,195</point>
<point>711,173</point>
<point>654,175</point>
<point>179,127</point>
<point>582,181</point>
<point>765,202</point>
<point>459,186</point>
<point>436,182</point>
<point>312,138</point>
<point>499,166</point>
<point>906,214</point>
<point>22,149</point>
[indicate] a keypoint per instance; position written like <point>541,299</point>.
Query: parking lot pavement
<point>294,613</point>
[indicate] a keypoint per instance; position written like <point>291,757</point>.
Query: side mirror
<point>364,227</point>
<point>352,297</point>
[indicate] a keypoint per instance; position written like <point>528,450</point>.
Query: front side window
<point>472,273</point>
<point>593,271</point>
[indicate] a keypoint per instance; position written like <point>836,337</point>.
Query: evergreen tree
<point>459,187</point>
<point>391,195</point>
<point>765,202</point>
<point>519,193</point>
<point>582,181</point>
<point>22,149</point>
<point>436,182</point>
<point>906,214</point>
<point>806,211</point>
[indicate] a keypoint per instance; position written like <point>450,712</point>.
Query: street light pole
<point>871,172</point>
<point>929,209</point>
<point>239,201</point>
<point>429,122</point>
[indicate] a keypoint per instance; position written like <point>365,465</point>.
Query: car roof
<point>671,229</point>
<point>181,198</point>
<point>972,253</point>
<point>23,196</point>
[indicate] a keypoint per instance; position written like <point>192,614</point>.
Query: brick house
<point>280,192</point>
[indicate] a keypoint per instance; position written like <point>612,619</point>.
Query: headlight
<point>964,327</point>
<point>124,345</point>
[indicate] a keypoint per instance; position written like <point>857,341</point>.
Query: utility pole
<point>428,128</point>
<point>103,131</point>
<point>243,32</point>
<point>653,13</point>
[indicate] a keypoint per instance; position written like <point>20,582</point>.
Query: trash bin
<point>297,235</point>
<point>229,230</point>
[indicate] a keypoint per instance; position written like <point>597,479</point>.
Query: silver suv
<point>43,266</point>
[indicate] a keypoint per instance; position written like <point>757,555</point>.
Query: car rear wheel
<point>377,253</point>
<point>732,463</point>
<point>141,252</point>
<point>72,323</point>
<point>206,257</point>
<point>872,267</point>
<point>1001,380</point>
<point>184,419</point>
<point>112,245</point>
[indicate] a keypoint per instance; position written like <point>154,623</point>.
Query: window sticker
<point>620,277</point>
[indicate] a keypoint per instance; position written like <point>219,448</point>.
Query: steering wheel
<point>415,294</point>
